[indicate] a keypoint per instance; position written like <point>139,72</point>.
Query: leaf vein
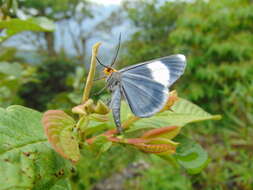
<point>23,145</point>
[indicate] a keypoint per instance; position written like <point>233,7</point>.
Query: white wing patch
<point>181,57</point>
<point>160,73</point>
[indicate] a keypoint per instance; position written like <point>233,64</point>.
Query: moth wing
<point>164,70</point>
<point>144,96</point>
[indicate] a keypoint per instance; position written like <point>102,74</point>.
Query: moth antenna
<point>102,63</point>
<point>117,51</point>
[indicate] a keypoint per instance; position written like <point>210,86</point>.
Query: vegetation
<point>216,38</point>
<point>73,144</point>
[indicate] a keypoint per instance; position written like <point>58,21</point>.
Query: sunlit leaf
<point>183,112</point>
<point>164,132</point>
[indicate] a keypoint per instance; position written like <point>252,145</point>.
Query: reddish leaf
<point>58,127</point>
<point>166,132</point>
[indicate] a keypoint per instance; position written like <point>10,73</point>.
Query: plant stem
<point>90,78</point>
<point>129,122</point>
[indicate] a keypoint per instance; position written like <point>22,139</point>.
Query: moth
<point>144,86</point>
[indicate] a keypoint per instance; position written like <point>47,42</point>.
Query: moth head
<point>108,70</point>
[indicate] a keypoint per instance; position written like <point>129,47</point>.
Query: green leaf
<point>14,26</point>
<point>59,128</point>
<point>26,159</point>
<point>39,24</point>
<point>106,146</point>
<point>63,184</point>
<point>97,123</point>
<point>100,144</point>
<point>187,112</point>
<point>184,112</point>
<point>190,155</point>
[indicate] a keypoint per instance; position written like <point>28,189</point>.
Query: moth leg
<point>108,101</point>
<point>115,106</point>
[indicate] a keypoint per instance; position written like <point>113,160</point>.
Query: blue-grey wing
<point>164,70</point>
<point>144,96</point>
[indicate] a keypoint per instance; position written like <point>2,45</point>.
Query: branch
<point>92,71</point>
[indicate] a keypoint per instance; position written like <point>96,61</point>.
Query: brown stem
<point>49,36</point>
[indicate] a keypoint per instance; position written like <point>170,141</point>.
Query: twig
<point>92,71</point>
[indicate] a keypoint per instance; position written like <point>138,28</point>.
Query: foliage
<point>94,168</point>
<point>215,36</point>
<point>94,118</point>
<point>183,112</point>
<point>154,24</point>
<point>12,77</point>
<point>7,8</point>
<point>209,34</point>
<point>67,12</point>
<point>10,26</point>
<point>41,168</point>
<point>59,9</point>
<point>219,67</point>
<point>26,159</point>
<point>167,178</point>
<point>14,26</point>
<point>191,155</point>
<point>50,81</point>
<point>15,74</point>
<point>58,127</point>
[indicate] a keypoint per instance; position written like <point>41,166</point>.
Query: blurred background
<point>47,70</point>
